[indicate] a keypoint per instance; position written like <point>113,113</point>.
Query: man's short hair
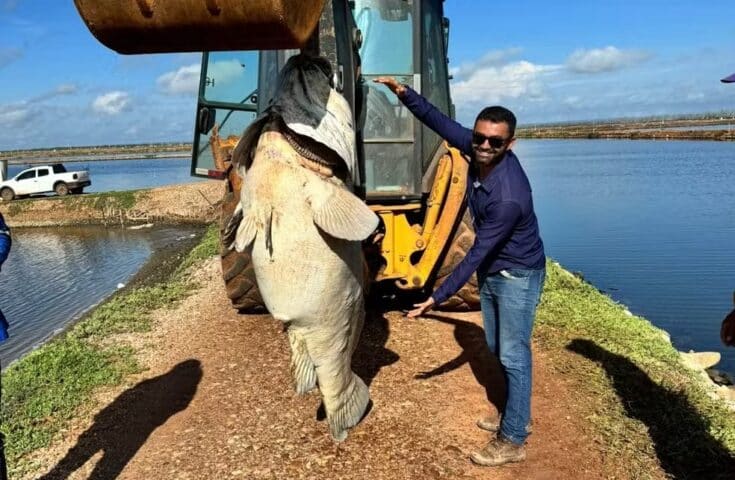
<point>498,114</point>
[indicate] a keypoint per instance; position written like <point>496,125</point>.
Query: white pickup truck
<point>44,179</point>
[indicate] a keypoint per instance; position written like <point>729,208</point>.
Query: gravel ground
<point>216,402</point>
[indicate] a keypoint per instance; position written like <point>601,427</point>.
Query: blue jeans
<point>508,301</point>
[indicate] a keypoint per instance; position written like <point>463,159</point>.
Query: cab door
<point>44,180</point>
<point>228,102</point>
<point>25,182</point>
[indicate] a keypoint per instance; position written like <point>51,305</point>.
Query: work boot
<point>492,424</point>
<point>499,451</point>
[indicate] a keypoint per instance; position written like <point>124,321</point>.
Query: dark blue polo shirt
<point>506,229</point>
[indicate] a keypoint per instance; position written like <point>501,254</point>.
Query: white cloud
<point>494,58</point>
<point>14,116</point>
<point>112,103</point>
<point>226,71</point>
<point>63,89</point>
<point>66,89</point>
<point>605,59</point>
<point>185,80</point>
<point>495,85</point>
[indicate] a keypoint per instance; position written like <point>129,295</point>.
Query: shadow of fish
<point>298,214</point>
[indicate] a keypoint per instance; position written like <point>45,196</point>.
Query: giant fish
<point>304,224</point>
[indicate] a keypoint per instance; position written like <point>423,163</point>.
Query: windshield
<point>228,88</point>
<point>387,31</point>
<point>231,77</point>
<point>388,131</point>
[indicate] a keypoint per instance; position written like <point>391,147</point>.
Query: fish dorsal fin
<point>339,212</point>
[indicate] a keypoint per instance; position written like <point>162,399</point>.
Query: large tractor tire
<point>237,267</point>
<point>468,297</point>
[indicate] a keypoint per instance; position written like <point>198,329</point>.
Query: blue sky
<point>547,61</point>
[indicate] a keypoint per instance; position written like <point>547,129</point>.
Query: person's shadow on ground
<point>371,355</point>
<point>121,428</point>
<point>484,365</point>
<point>680,435</point>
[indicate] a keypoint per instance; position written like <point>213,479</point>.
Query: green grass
<point>645,407</point>
<point>45,389</point>
<point>124,200</point>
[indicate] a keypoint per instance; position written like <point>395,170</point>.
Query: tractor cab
<point>364,39</point>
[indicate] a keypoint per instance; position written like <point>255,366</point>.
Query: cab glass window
<point>388,129</point>
<point>228,87</point>
<point>27,175</point>
<point>43,172</point>
<point>231,77</point>
<point>387,32</point>
<point>434,85</point>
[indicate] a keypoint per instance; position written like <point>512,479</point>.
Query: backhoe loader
<point>411,179</point>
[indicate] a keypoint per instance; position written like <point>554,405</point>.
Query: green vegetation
<point>60,153</point>
<point>124,200</point>
<point>720,127</point>
<point>44,390</point>
<point>644,405</point>
<point>106,202</point>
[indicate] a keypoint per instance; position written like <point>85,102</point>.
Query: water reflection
<point>53,275</point>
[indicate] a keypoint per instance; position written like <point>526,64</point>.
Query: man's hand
<point>392,84</point>
<point>727,333</point>
<point>420,308</point>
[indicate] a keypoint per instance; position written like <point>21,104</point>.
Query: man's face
<point>490,141</point>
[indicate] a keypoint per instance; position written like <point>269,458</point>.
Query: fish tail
<point>352,405</point>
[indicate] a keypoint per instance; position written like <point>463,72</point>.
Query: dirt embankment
<point>187,203</point>
<point>216,402</point>
<point>711,129</point>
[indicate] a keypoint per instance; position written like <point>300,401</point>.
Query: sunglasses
<point>479,139</point>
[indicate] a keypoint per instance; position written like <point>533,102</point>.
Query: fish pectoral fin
<point>230,232</point>
<point>245,232</point>
<point>342,214</point>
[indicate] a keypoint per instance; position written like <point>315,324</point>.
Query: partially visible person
<point>5,242</point>
<point>727,332</point>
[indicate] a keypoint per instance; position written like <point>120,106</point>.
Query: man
<point>508,256</point>
<point>5,243</point>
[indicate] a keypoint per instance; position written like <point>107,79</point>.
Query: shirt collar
<point>488,182</point>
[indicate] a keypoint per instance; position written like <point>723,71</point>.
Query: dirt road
<point>216,403</point>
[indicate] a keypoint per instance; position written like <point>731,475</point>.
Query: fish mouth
<point>316,156</point>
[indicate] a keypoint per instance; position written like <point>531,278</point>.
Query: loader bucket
<point>166,26</point>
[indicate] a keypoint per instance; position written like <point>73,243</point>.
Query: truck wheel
<point>237,267</point>
<point>7,194</point>
<point>468,297</point>
<point>61,188</point>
